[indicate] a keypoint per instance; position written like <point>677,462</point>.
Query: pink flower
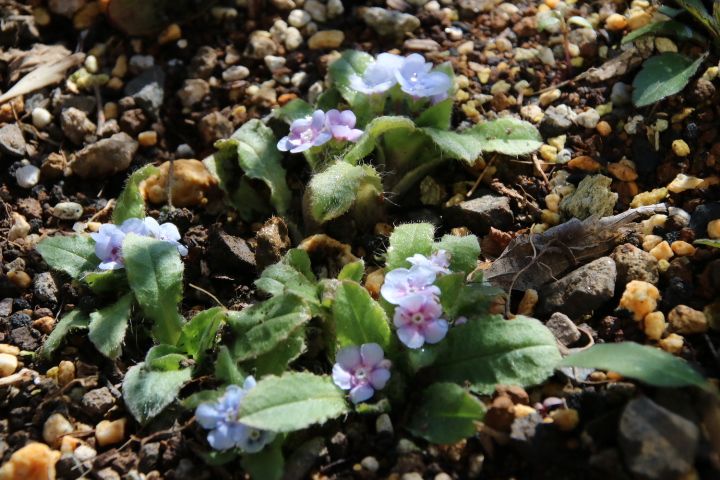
<point>418,321</point>
<point>341,125</point>
<point>439,262</point>
<point>362,370</point>
<point>305,133</point>
<point>401,282</point>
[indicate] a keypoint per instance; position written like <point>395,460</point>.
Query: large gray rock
<point>582,290</point>
<point>634,264</point>
<point>656,443</point>
<point>479,214</point>
<point>105,157</point>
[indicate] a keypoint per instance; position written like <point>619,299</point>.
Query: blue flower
<point>221,418</point>
<point>167,232</point>
<point>362,370</point>
<point>379,76</point>
<point>305,133</point>
<point>416,79</point>
<point>108,246</point>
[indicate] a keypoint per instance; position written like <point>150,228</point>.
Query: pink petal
<point>410,336</point>
<point>371,354</point>
<point>435,331</point>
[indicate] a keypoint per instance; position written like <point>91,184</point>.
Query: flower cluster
<point>362,370</point>
<point>412,73</point>
<point>226,432</point>
<point>318,129</point>
<point>109,239</point>
<point>418,311</point>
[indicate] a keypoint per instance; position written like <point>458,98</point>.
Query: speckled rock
<point>592,197</point>
<point>105,157</point>
<point>635,264</point>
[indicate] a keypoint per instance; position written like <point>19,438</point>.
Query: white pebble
<point>299,18</point>
<point>8,364</point>
<point>68,211</point>
<point>141,62</point>
<point>293,38</point>
<point>41,118</point>
<point>235,73</point>
<point>335,8</point>
<point>274,63</point>
<point>91,63</point>
<point>27,176</point>
<point>55,427</point>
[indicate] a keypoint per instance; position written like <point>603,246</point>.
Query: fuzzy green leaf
<point>459,298</point>
<point>647,364</point>
<point>293,110</point>
<point>292,275</point>
<point>407,240</point>
<point>488,351</point>
<point>74,255</point>
<point>351,62</point>
<point>147,392</point>
<point>108,326</point>
<point>358,318</point>
<point>377,127</point>
<point>455,145</point>
<point>447,414</point>
<point>668,28</point>
<point>464,251</point>
<point>437,116</point>
<point>130,203</point>
<point>106,282</point>
<point>198,334</point>
<point>507,136</point>
<point>226,370</point>
<point>707,242</point>
<point>353,271</point>
<point>334,191</point>
<point>74,320</point>
<point>276,361</point>
<point>154,272</point>
<point>663,75</point>
<point>292,402</point>
<point>267,464</point>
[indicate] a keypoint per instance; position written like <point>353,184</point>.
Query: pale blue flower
<point>362,370</point>
<point>416,79</point>
<point>439,262</point>
<point>342,125</point>
<point>221,418</point>
<point>401,282</point>
<point>108,246</point>
<point>305,133</point>
<point>167,232</point>
<point>379,76</point>
<point>418,321</point>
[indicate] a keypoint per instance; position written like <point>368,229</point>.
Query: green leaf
<point>488,351</point>
<point>464,251</point>
<point>107,281</point>
<point>358,318</point>
<point>194,400</point>
<point>147,392</point>
<point>240,192</point>
<point>708,242</point>
<point>292,275</point>
<point>267,464</point>
<point>154,272</point>
<point>507,136</point>
<point>276,361</point>
<point>74,320</point>
<point>353,271</point>
<point>407,240</point>
<point>666,28</point>
<point>108,326</point>
<point>437,116</point>
<point>647,364</point>
<point>293,110</point>
<point>292,402</point>
<point>74,255</point>
<point>198,334</point>
<point>447,414</point>
<point>700,13</point>
<point>334,191</point>
<point>455,145</point>
<point>351,62</point>
<point>663,75</point>
<point>226,370</point>
<point>465,299</point>
<point>130,203</point>
<point>216,458</point>
<point>165,357</point>
<point>368,141</point>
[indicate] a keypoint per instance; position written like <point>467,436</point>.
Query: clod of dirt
<point>192,184</point>
<point>230,254</point>
<point>105,157</point>
<point>272,241</point>
<point>480,214</point>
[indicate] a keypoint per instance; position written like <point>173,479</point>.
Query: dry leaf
<point>42,76</point>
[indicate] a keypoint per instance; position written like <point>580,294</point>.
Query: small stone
<point>680,148</point>
<point>261,44</point>
<point>713,229</point>
<point>621,94</point>
<point>235,73</point>
<point>45,288</point>
<point>592,197</point>
<point>584,163</point>
<point>623,170</point>
<point>19,278</point>
<point>546,98</point>
<point>27,176</point>
<point>635,264</point>
<point>616,22</point>
<point>479,214</point>
<point>229,253</point>
<point>68,211</point>
<point>148,138</point>
<point>293,39</point>
<point>65,372</point>
<point>673,343</point>
<point>682,248</point>
<point>370,464</point>
<point>603,128</point>
<point>148,91</point>
<point>12,141</point>
<point>649,198</point>
<point>110,432</point>
<point>105,157</point>
<point>41,118</point>
<point>662,251</point>
<point>8,364</point>
<point>170,34</point>
<point>55,427</point>
<point>383,425</point>
<point>34,461</point>
<point>640,298</point>
<point>335,8</point>
<point>656,443</point>
<point>326,39</point>
<point>274,63</point>
<point>411,476</point>
<point>84,453</point>
<point>389,22</point>
<point>665,45</point>
<point>44,324</point>
<point>527,303</point>
<point>687,321</point>
<point>316,9</point>
<point>139,63</point>
<point>588,119</point>
<point>192,184</point>
<point>684,182</point>
<point>193,91</point>
<point>215,126</point>
<point>581,291</point>
<point>557,120</point>
<point>107,473</point>
<point>638,20</point>
<point>98,401</point>
<point>654,325</point>
<point>563,328</point>
<point>75,124</point>
<point>566,419</point>
<point>299,18</point>
<point>532,113</point>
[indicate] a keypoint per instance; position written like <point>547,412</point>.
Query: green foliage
<point>74,320</point>
<point>437,116</point>
<point>291,275</point>
<point>198,335</point>
<point>74,255</point>
<point>489,351</point>
<point>668,28</point>
<point>700,13</point>
<point>107,326</point>
<point>107,282</point>
<point>407,240</point>
<point>663,75</point>
<point>334,191</point>
<point>291,402</point>
<point>276,361</point>
<point>459,298</point>
<point>293,110</point>
<point>707,242</point>
<point>130,203</point>
<point>351,62</point>
<point>358,318</point>
<point>508,136</point>
<point>154,271</point>
<point>226,369</point>
<point>372,133</point>
<point>353,271</point>
<point>647,364</point>
<point>464,251</point>
<point>446,414</point>
<point>267,464</point>
<point>148,389</point>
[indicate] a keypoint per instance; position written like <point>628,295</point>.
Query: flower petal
<point>208,416</point>
<point>361,393</point>
<point>220,438</point>
<point>379,377</point>
<point>349,358</point>
<point>410,336</point>
<point>435,330</point>
<point>371,354</point>
<point>341,377</point>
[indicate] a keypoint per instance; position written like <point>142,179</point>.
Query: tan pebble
<point>649,198</point>
<point>20,227</point>
<point>640,298</point>
<point>68,444</point>
<point>663,265</point>
<point>614,376</point>
<point>66,372</point>
<point>466,48</point>
<point>713,229</point>
<point>680,148</point>
<point>192,184</point>
<point>598,376</point>
<point>34,461</point>
<point>110,110</point>
<point>673,343</point>
<point>650,242</point>
<point>171,33</point>
<point>603,128</point>
<point>115,83</point>
<point>110,432</point>
<point>638,20</point>
<point>566,419</point>
<point>548,153</point>
<point>686,320</point>
<point>521,410</point>
<point>41,16</point>
<point>654,325</point>
<point>552,201</point>
<point>9,349</point>
<point>120,68</point>
<point>20,279</point>
<point>684,182</point>
<point>546,98</point>
<point>55,427</point>
<point>616,22</point>
<point>44,324</point>
<point>528,302</point>
<point>552,3</point>
<point>662,251</point>
<point>584,163</point>
<point>147,138</point>
<point>623,170</point>
<point>8,364</point>
<point>557,142</point>
<point>682,248</point>
<point>325,39</point>
<point>550,217</point>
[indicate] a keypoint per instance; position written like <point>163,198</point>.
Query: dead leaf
<point>43,75</point>
<point>614,67</point>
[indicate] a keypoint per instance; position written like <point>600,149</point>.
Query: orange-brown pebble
<point>638,20</point>
<point>640,298</point>
<point>623,170</point>
<point>654,325</point>
<point>528,302</point>
<point>147,138</point>
<point>192,184</point>
<point>566,419</point>
<point>614,376</point>
<point>662,251</point>
<point>44,324</point>
<point>603,128</point>
<point>552,3</point>
<point>171,33</point>
<point>374,281</point>
<point>682,248</point>
<point>616,22</point>
<point>19,278</point>
<point>585,164</point>
<point>673,343</point>
<point>650,242</point>
<point>34,461</point>
<point>110,432</point>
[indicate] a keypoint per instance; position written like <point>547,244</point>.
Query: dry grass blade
<point>43,76</point>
